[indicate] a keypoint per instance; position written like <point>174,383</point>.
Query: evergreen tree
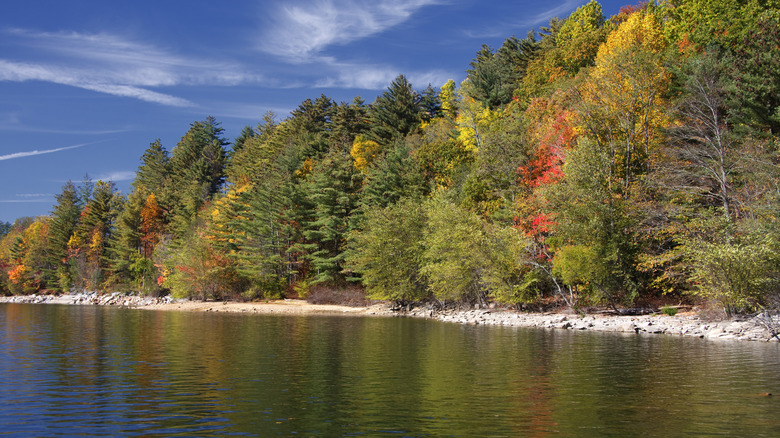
<point>430,104</point>
<point>64,220</point>
<point>90,253</point>
<point>154,172</point>
<point>396,176</point>
<point>313,116</point>
<point>246,134</point>
<point>125,247</point>
<point>349,121</point>
<point>395,113</point>
<point>333,192</point>
<point>197,170</point>
<point>250,161</point>
<point>495,76</point>
<point>5,227</point>
<point>755,97</point>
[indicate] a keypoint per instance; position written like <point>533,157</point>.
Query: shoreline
<point>683,324</point>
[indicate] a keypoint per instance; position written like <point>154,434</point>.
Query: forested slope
<point>599,160</point>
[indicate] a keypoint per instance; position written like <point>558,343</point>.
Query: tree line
<point>596,161</point>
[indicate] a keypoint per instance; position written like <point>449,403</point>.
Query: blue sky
<point>86,86</point>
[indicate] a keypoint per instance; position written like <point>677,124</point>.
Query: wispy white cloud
<point>436,78</point>
<point>13,122</point>
<point>122,175</point>
<point>355,76</point>
<point>378,78</point>
<point>555,11</point>
<point>39,152</point>
<point>110,64</point>
<point>20,72</point>
<point>543,17</point>
<point>34,195</point>
<point>373,77</point>
<point>304,29</point>
<point>138,93</point>
<point>300,33</point>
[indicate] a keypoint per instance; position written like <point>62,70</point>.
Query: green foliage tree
<point>199,270</point>
<point>139,228</point>
<point>349,121</point>
<point>466,260</point>
<point>580,36</point>
<point>595,233</point>
<point>246,133</point>
<point>454,257</point>
<point>313,116</point>
<point>738,274</point>
<point>491,187</point>
<point>387,252</point>
<point>707,22</point>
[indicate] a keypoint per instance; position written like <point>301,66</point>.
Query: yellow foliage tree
<point>364,152</point>
<point>623,105</point>
<point>473,119</point>
<point>26,270</point>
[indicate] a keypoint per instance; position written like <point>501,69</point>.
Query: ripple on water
<point>70,370</point>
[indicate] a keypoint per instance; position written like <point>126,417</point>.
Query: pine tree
<point>333,191</point>
<point>153,173</point>
<point>430,104</point>
<point>197,170</point>
<point>125,245</point>
<point>64,220</point>
<point>5,227</point>
<point>395,113</point>
<point>396,176</point>
<point>90,244</point>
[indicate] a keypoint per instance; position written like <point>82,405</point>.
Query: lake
<point>102,371</point>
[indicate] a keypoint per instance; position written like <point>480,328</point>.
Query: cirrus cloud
<point>302,30</point>
<point>39,152</point>
<point>109,64</point>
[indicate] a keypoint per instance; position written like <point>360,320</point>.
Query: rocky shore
<point>114,299</point>
<point>684,324</point>
<point>757,328</point>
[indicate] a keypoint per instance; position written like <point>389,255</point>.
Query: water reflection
<point>68,370</point>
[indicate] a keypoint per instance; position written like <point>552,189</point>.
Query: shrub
<point>668,310</point>
<point>737,275</point>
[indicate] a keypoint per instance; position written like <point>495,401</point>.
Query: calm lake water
<point>95,371</point>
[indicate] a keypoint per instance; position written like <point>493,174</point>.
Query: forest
<point>598,161</point>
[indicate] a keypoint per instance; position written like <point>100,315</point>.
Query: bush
<point>737,275</point>
<point>668,310</point>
